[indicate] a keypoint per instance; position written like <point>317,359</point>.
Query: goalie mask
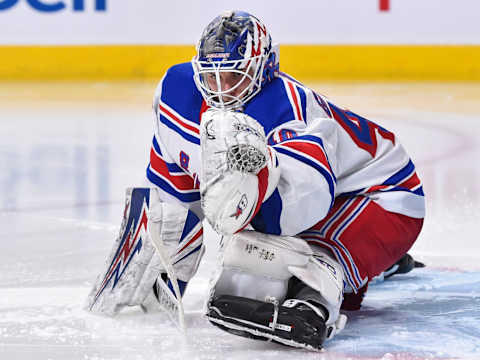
<point>234,60</point>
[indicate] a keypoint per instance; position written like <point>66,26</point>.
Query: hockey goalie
<point>312,201</point>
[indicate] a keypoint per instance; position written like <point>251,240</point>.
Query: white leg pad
<point>258,266</point>
<point>325,275</point>
<point>255,265</point>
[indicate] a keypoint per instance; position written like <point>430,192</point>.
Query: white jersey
<point>324,152</point>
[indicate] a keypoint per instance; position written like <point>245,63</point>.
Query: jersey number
<point>361,130</point>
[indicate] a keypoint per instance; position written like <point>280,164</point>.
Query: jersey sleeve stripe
<point>419,191</point>
<point>156,146</point>
<point>401,175</point>
<point>172,167</point>
<point>293,98</point>
<point>167,180</point>
<point>313,140</point>
<point>162,183</point>
<point>170,113</point>
<point>178,130</point>
<point>406,179</point>
<point>314,164</point>
<point>303,101</point>
<point>180,182</point>
<point>296,100</point>
<point>296,95</point>
<point>310,149</point>
<point>189,133</point>
<point>411,183</point>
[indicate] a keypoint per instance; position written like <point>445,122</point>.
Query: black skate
<point>403,266</point>
<point>296,323</point>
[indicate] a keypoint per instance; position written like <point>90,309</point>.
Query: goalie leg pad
<point>134,264</point>
<point>255,265</point>
<point>258,267</point>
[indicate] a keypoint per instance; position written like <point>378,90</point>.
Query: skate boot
<point>403,266</point>
<point>301,321</point>
<point>296,323</point>
<point>353,301</point>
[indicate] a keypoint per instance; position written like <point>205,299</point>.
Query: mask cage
<point>250,69</point>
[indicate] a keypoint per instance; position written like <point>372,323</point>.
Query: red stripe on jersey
<point>295,101</point>
<point>195,237</point>
<point>311,149</point>
<point>377,188</point>
<point>339,202</point>
<point>347,213</point>
<point>412,182</point>
<point>343,254</point>
<point>181,182</point>
<point>177,119</point>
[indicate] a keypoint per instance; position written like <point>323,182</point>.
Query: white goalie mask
<point>234,60</point>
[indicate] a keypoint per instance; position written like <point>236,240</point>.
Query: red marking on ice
<point>384,5</point>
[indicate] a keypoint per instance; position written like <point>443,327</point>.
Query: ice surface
<point>67,153</point>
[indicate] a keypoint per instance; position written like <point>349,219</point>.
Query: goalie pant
<point>365,239</point>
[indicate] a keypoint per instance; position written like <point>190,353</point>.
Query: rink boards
<point>319,62</point>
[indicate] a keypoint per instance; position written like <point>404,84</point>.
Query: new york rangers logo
<point>132,235</point>
<point>242,205</point>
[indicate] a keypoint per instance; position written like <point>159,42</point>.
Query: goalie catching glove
<point>239,169</point>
